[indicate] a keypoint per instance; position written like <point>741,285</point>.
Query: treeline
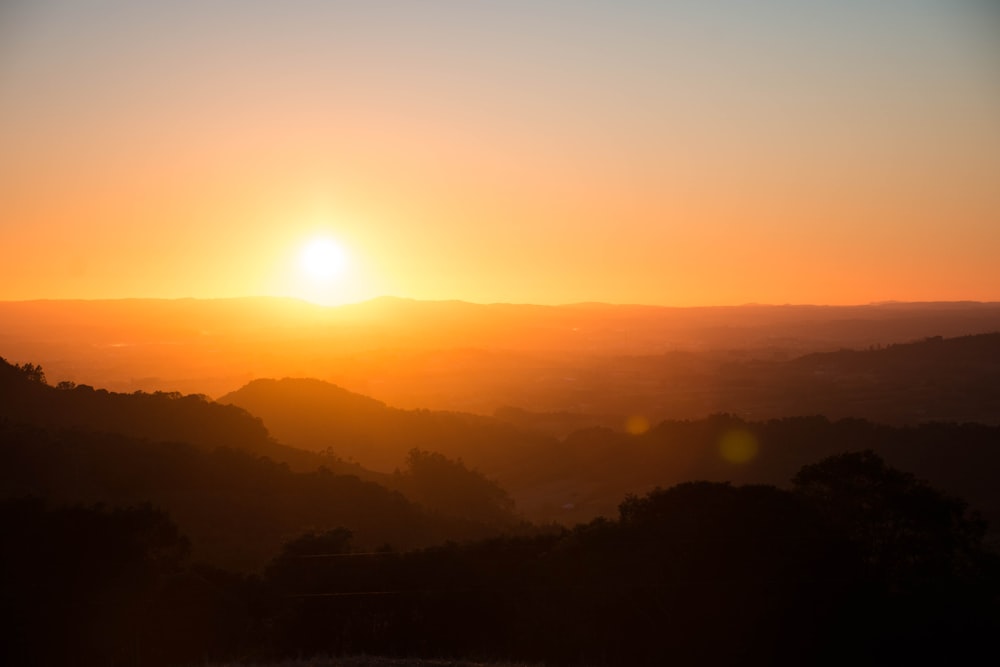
<point>857,563</point>
<point>25,397</point>
<point>725,447</point>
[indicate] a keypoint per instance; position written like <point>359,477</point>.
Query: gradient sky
<point>678,153</point>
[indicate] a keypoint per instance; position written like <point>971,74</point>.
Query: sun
<point>323,270</point>
<point>323,259</point>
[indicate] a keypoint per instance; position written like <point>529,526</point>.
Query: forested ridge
<point>235,493</point>
<point>586,473</point>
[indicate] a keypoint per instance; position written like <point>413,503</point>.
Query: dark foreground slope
<point>857,563</point>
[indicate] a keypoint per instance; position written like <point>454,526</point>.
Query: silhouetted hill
<point>939,379</point>
<point>236,508</point>
<point>164,416</point>
<point>317,415</point>
<point>936,354</point>
<point>206,464</point>
<point>587,473</point>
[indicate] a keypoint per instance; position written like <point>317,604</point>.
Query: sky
<point>674,153</point>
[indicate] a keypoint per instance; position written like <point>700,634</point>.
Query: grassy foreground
<point>374,661</point>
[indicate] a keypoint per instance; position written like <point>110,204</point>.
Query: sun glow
<point>322,259</point>
<point>323,270</point>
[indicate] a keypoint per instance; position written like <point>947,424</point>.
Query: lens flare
<point>738,446</point>
<point>636,425</point>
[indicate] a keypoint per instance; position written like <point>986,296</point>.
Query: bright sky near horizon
<point>677,153</point>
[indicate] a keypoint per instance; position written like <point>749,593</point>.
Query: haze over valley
<point>607,362</point>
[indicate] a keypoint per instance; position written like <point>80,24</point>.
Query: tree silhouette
<point>930,591</point>
<point>907,530</point>
<point>447,486</point>
<point>31,371</point>
<point>79,580</point>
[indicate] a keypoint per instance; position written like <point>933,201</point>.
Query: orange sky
<point>549,152</point>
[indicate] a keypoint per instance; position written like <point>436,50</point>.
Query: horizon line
<point>573,304</point>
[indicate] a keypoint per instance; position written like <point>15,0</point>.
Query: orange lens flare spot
<point>636,425</point>
<point>738,446</point>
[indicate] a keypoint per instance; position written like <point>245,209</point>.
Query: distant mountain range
<point>591,358</point>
